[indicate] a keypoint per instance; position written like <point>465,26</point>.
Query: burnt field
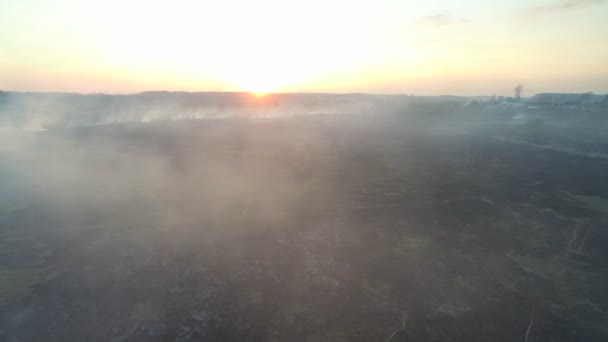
<point>311,228</point>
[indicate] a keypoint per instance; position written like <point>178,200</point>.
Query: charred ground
<point>316,228</point>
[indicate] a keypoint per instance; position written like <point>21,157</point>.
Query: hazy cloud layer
<point>559,6</point>
<point>443,19</point>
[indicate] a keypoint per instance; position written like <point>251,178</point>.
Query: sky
<point>375,46</point>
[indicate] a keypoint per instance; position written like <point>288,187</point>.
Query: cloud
<point>560,6</point>
<point>443,19</point>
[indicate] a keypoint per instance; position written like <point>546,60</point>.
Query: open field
<point>306,228</point>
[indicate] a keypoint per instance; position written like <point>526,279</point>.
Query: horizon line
<point>275,93</point>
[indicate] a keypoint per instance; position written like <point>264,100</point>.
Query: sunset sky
<point>378,46</point>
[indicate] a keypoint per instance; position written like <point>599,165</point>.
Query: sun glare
<point>258,77</point>
<point>259,93</point>
<point>258,86</point>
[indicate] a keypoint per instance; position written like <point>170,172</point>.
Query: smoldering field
<point>403,220</point>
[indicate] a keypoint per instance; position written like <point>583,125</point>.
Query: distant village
<point>582,102</point>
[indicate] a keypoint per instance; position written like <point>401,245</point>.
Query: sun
<point>259,84</point>
<point>260,75</point>
<point>259,93</point>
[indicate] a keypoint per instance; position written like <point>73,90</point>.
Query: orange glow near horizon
<point>269,46</point>
<point>259,94</point>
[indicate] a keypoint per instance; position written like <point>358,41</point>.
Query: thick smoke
<point>233,217</point>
